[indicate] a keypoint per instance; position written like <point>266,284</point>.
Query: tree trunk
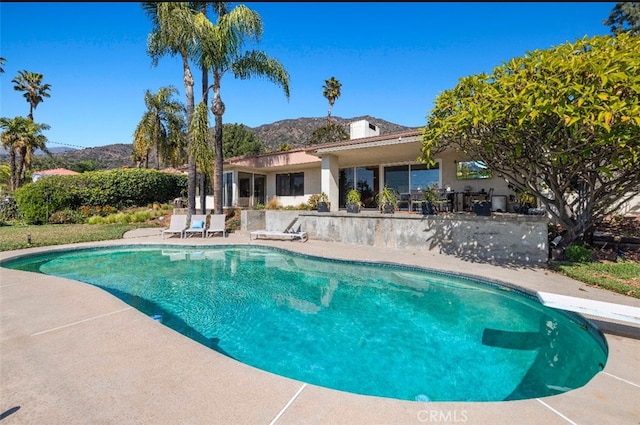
<point>191,163</point>
<point>157,156</point>
<point>21,167</point>
<point>13,169</point>
<point>203,193</point>
<point>191,184</point>
<point>217,107</point>
<point>205,99</point>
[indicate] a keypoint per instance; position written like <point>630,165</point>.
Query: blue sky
<point>392,59</point>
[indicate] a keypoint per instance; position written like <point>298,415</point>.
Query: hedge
<point>119,188</point>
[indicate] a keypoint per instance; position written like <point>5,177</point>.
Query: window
<point>227,189</point>
<point>364,179</point>
<point>397,178</point>
<point>423,177</point>
<point>466,170</point>
<point>290,184</point>
<point>244,185</point>
<point>409,178</point>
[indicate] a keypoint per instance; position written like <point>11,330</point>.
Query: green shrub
<point>124,188</point>
<point>102,211</point>
<point>233,225</point>
<point>122,218</point>
<point>142,216</point>
<point>95,219</point>
<point>37,201</point>
<point>66,217</point>
<point>8,209</point>
<point>578,254</point>
<point>110,219</point>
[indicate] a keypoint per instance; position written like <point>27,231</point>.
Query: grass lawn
<point>622,277</point>
<point>15,236</point>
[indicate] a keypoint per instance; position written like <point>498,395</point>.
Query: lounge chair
<point>217,225</point>
<point>198,225</point>
<point>177,224</point>
<point>287,233</point>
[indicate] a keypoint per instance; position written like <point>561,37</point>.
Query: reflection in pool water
<point>390,331</point>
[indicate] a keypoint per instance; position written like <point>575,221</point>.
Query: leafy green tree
<point>239,140</point>
<point>21,137</point>
<point>328,133</point>
<point>331,90</point>
<point>624,17</point>
<point>222,45</point>
<point>5,179</point>
<point>562,123</point>
<point>48,162</point>
<point>34,91</point>
<point>161,128</point>
<point>84,166</point>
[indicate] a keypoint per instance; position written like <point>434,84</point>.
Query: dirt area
<point>619,227</point>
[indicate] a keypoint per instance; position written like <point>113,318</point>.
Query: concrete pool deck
<point>71,353</point>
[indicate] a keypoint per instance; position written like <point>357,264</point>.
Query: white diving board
<point>621,312</point>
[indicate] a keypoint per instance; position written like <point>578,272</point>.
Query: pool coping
<point>73,353</point>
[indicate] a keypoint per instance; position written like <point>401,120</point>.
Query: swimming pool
<point>384,330</point>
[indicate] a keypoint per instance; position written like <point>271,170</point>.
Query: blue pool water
<point>383,330</point>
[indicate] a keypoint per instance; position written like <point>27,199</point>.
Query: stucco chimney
<point>363,128</point>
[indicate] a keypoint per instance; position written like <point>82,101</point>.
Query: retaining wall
<point>500,238</point>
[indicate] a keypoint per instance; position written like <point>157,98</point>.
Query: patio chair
<point>198,225</point>
<point>177,224</point>
<point>444,203</point>
<point>287,233</point>
<point>217,225</point>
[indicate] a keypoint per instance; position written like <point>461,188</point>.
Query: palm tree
<point>2,62</point>
<point>220,8</point>
<point>331,90</point>
<point>21,137</point>
<point>174,33</point>
<point>221,50</point>
<point>34,91</point>
<point>156,129</point>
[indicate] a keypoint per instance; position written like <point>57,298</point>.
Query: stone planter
<point>353,208</point>
<point>323,207</point>
<point>387,208</point>
<point>428,208</point>
<point>482,208</point>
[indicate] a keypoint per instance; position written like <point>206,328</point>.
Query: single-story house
<point>53,172</point>
<point>367,162</point>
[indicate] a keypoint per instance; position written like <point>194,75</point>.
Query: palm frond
<point>257,64</point>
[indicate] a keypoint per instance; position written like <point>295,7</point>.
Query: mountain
<point>98,158</point>
<point>55,149</point>
<point>297,132</point>
<point>294,132</point>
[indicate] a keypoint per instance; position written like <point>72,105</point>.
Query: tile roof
<point>57,172</point>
